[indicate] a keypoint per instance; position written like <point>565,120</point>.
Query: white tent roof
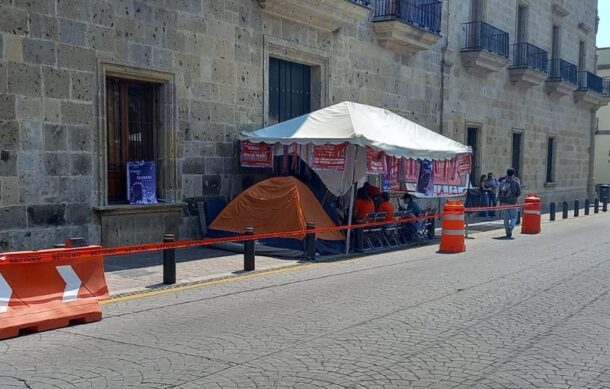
<point>361,125</point>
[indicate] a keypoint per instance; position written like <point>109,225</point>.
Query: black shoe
<point>509,235</point>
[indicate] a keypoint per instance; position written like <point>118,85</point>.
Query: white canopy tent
<point>359,125</point>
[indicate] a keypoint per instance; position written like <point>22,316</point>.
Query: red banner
<point>375,161</point>
<point>464,164</point>
<point>256,155</point>
<point>390,180</point>
<point>329,157</point>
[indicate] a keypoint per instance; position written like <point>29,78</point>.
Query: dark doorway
<point>289,90</point>
<point>472,139</point>
<point>517,152</point>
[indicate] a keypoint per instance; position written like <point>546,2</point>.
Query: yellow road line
<point>201,284</point>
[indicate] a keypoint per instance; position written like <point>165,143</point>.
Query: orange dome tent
<point>277,204</point>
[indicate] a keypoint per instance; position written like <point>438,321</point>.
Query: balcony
<point>529,65</point>
<point>327,15</point>
<point>593,91</point>
<point>407,26</point>
<point>485,50</point>
<point>563,78</point>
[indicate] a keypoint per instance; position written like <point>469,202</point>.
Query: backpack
<point>506,192</point>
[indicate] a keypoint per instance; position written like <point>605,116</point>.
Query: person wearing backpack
<point>508,194</point>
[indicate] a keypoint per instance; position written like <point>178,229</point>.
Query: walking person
<point>508,194</point>
<point>485,191</point>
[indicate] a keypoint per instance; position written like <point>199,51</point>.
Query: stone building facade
<point>205,66</point>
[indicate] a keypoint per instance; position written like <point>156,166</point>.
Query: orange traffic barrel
<point>452,238</point>
<point>531,215</point>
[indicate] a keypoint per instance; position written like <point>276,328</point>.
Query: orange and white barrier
<point>452,238</point>
<point>39,295</point>
<point>531,215</point>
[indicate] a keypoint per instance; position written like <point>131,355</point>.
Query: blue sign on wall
<point>142,182</point>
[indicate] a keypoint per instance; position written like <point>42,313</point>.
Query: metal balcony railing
<point>560,70</point>
<point>483,36</point>
<point>590,81</point>
<point>425,14</point>
<point>528,56</point>
<point>365,3</point>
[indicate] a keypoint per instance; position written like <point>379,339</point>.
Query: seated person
<point>363,205</point>
<point>414,210</point>
<point>373,192</point>
<point>386,206</point>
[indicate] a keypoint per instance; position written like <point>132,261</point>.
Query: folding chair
<point>367,231</point>
<point>376,232</point>
<point>390,231</point>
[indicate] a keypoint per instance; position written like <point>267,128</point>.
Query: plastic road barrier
<point>39,295</point>
<point>452,238</point>
<point>531,215</point>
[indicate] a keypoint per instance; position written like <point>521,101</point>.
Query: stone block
<point>75,189</point>
<point>52,110</point>
<point>57,164</point>
<point>7,107</point>
<point>79,138</point>
<point>74,9</point>
<point>13,218</point>
<point>46,215</point>
<point>9,135</point>
<point>41,6</point>
<point>100,38</point>
<point>79,213</point>
<point>82,86</point>
<point>193,165</point>
<point>28,108</point>
<point>30,161</point>
<point>81,164</point>
<point>72,32</point>
<point>76,113</point>
<point>10,190</point>
<point>13,48</point>
<point>8,162</point>
<point>56,82</point>
<point>38,51</point>
<point>3,76</point>
<point>163,58</point>
<point>31,135</point>
<point>139,55</point>
<point>24,79</point>
<point>43,26</point>
<point>13,21</point>
<point>143,12</point>
<point>225,149</point>
<point>211,185</point>
<point>166,17</point>
<point>76,58</point>
<point>55,137</point>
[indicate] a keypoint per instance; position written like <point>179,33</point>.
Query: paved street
<point>532,312</point>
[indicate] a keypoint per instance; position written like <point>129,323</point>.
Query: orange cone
<point>531,215</point>
<point>452,238</point>
<point>39,295</point>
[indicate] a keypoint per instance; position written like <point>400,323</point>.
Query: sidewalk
<point>137,272</point>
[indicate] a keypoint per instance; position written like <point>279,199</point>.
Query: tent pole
<point>351,202</point>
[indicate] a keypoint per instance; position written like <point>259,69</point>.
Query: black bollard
<point>169,261</point>
<point>596,206</point>
<point>359,239</point>
<point>552,212</point>
<point>605,207</point>
<point>310,242</point>
<point>565,210</point>
<point>249,251</point>
<point>587,207</point>
<point>576,208</point>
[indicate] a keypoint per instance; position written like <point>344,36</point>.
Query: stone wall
<point>213,55</point>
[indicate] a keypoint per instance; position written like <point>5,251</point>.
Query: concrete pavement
<point>531,312</point>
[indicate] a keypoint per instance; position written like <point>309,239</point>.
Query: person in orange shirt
<point>363,205</point>
<point>386,206</point>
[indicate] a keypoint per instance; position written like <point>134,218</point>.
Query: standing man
<point>493,184</point>
<point>508,194</point>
